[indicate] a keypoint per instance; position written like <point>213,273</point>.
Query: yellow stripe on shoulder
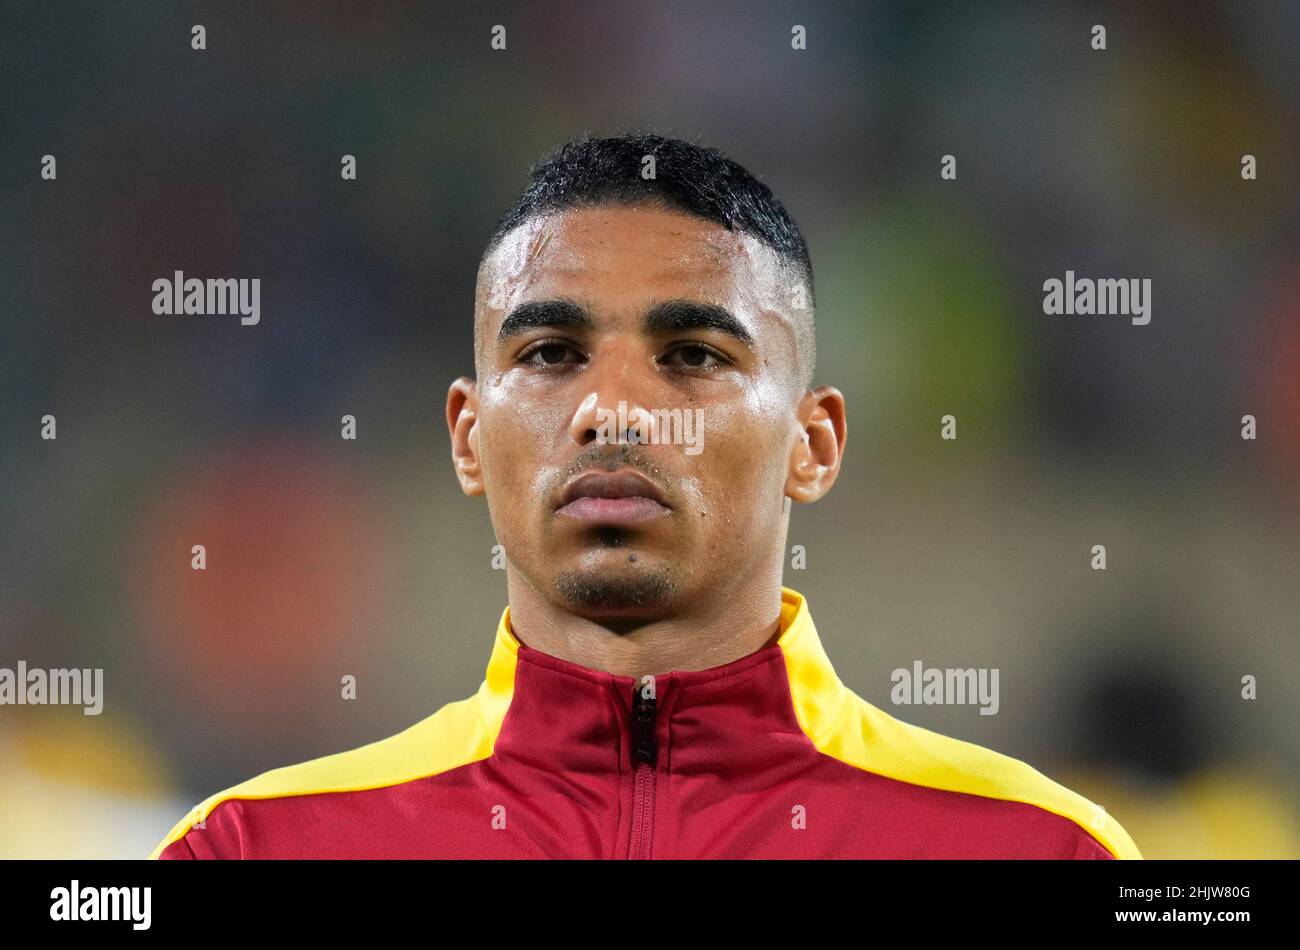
<point>459,733</point>
<point>871,739</point>
<point>845,726</point>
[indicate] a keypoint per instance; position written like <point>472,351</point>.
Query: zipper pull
<point>643,721</point>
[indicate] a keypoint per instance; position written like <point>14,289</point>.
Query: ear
<point>816,456</point>
<point>462,423</point>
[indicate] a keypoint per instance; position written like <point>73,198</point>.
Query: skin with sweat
<point>698,584</point>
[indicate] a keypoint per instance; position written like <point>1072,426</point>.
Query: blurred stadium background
<point>329,557</point>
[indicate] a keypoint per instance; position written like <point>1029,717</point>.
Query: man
<point>639,421</point>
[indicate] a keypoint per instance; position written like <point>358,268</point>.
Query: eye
<point>545,353</point>
<point>695,356</point>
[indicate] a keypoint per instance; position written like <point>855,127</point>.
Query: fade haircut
<point>693,179</point>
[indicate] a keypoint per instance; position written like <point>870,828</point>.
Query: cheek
<point>517,446</point>
<point>740,473</point>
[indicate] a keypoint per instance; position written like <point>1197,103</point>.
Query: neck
<point>717,627</point>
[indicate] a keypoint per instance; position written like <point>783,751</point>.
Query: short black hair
<point>694,179</point>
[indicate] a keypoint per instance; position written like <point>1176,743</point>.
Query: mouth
<point>613,498</point>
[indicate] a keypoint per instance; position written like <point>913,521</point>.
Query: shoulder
<point>455,735</point>
<point>869,738</point>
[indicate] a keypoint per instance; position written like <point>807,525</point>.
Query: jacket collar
<point>813,694</point>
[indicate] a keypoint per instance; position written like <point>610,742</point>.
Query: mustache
<point>611,458</point>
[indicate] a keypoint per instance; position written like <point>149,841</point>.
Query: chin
<point>625,593</point>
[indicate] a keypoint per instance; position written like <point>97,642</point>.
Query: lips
<point>622,497</point>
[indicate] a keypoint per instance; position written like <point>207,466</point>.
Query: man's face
<point>677,319</point>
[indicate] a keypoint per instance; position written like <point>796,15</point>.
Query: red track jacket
<point>769,756</point>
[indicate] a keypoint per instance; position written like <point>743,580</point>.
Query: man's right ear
<point>462,423</point>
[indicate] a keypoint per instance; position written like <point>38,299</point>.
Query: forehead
<point>618,259</point>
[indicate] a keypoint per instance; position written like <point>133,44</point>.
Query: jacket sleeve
<point>178,850</point>
<point>1090,849</point>
<point>220,835</point>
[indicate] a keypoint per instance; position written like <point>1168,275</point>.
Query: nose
<point>619,392</point>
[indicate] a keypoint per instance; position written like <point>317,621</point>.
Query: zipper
<point>644,755</point>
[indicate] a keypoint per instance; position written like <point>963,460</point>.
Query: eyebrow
<point>675,315</point>
<point>668,317</point>
<point>537,314</point>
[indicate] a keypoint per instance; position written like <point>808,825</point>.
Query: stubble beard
<point>593,590</point>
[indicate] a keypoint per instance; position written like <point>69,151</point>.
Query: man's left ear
<point>815,458</point>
